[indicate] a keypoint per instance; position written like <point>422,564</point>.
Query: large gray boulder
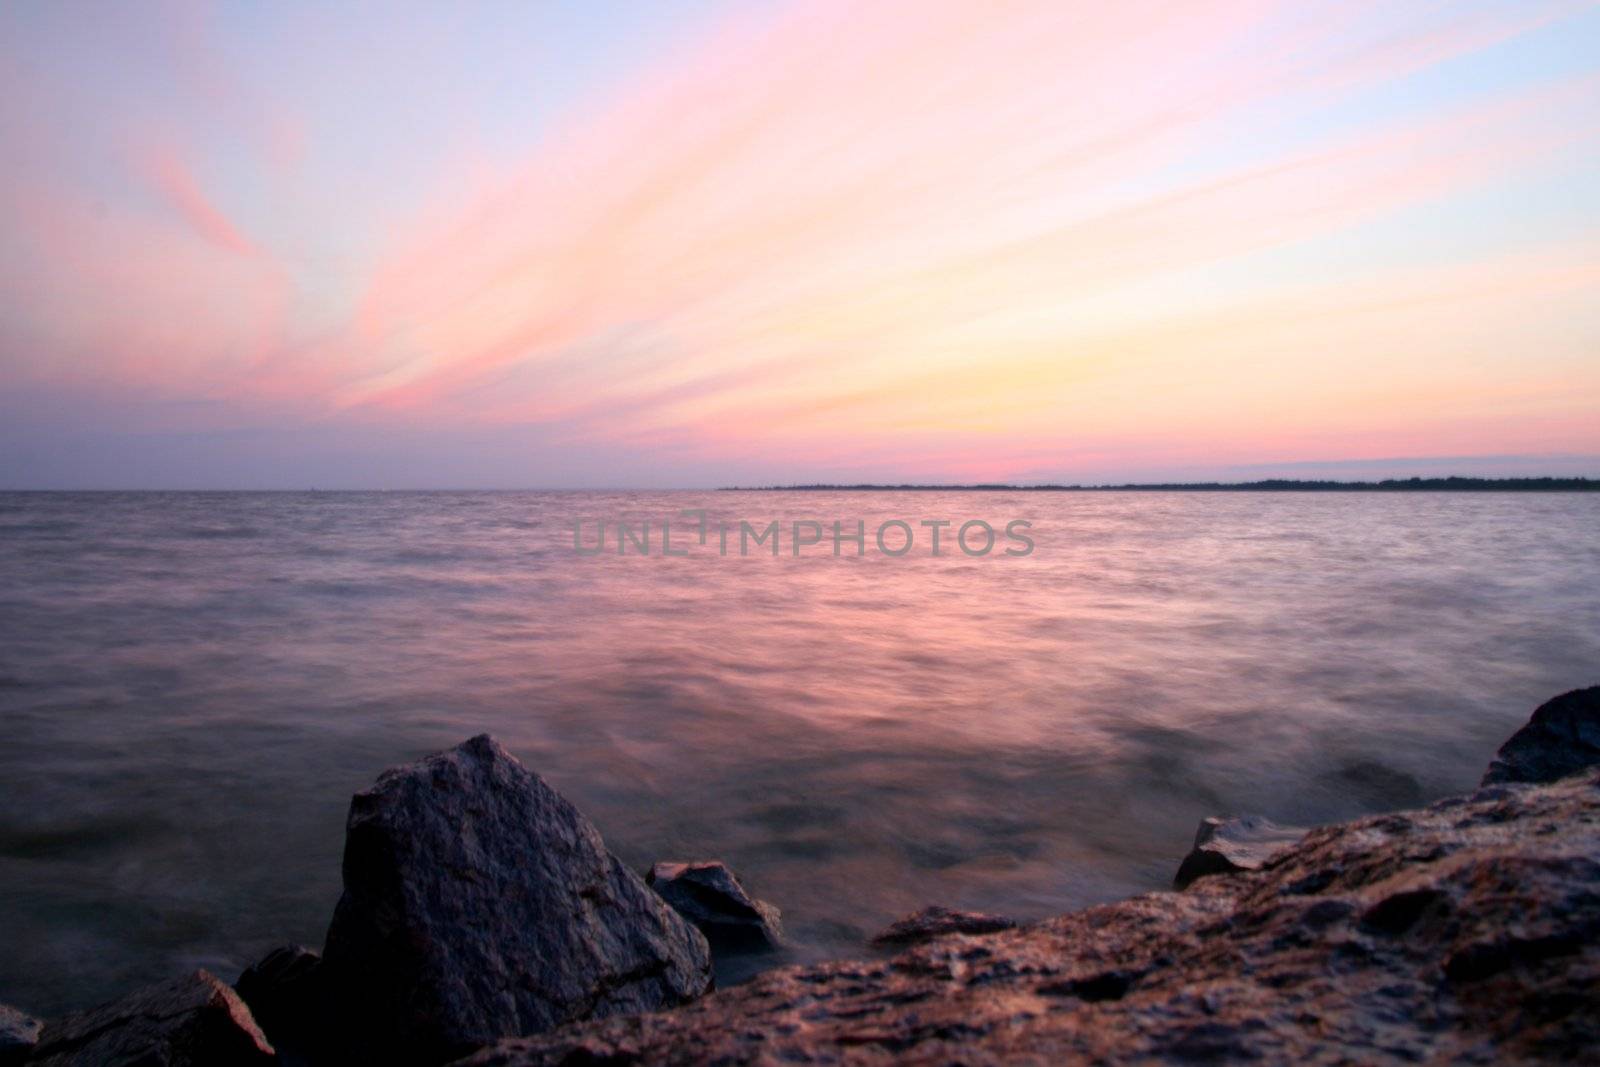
<point>193,1021</point>
<point>478,903</point>
<point>709,895</point>
<point>1229,845</point>
<point>19,1032</point>
<point>1562,738</point>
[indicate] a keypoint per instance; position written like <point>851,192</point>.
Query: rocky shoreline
<point>484,922</point>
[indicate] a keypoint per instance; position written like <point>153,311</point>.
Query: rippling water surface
<point>192,685</point>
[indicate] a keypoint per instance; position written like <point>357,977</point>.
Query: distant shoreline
<point>1268,485</point>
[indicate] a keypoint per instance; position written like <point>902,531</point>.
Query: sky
<point>698,243</point>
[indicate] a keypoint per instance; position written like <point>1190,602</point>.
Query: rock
<point>284,992</point>
<point>193,1021</point>
<point>1562,738</point>
<point>1467,932</point>
<point>709,895</point>
<point>932,922</point>
<point>479,903</point>
<point>1375,786</point>
<point>19,1032</point>
<point>1224,846</point>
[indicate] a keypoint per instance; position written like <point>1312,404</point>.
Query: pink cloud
<point>929,162</point>
<point>173,179</point>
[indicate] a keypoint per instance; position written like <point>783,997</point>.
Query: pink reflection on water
<point>194,684</point>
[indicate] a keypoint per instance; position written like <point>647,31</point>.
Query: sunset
<point>749,532</point>
<point>691,244</point>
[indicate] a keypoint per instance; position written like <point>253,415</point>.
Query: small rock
<point>709,895</point>
<point>934,921</point>
<point>1562,738</point>
<point>193,1021</point>
<point>19,1032</point>
<point>478,903</point>
<point>1223,846</point>
<point>285,994</point>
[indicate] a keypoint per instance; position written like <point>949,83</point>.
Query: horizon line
<point>1443,483</point>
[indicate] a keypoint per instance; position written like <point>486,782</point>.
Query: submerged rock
<point>1228,845</point>
<point>1467,932</point>
<point>1562,738</point>
<point>284,992</point>
<point>479,903</point>
<point>709,895</point>
<point>935,921</point>
<point>193,1021</point>
<point>19,1032</point>
<point>1374,786</point>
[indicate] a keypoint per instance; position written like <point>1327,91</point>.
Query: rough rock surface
<point>1465,932</point>
<point>193,1021</point>
<point>936,921</point>
<point>479,903</point>
<point>284,992</point>
<point>19,1032</point>
<point>1225,846</point>
<point>1562,738</point>
<point>709,895</point>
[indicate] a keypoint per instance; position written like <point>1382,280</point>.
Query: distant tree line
<point>1266,485</point>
